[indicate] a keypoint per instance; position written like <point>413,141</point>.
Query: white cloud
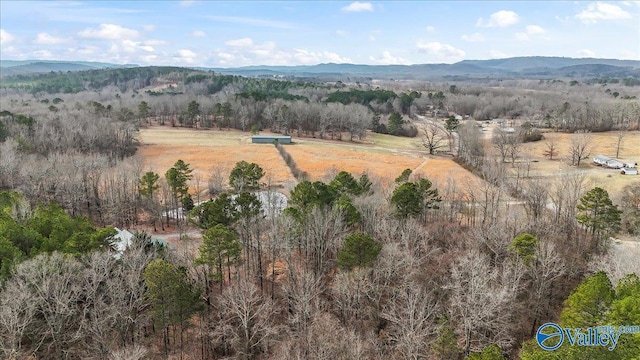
<point>6,37</point>
<point>310,57</point>
<point>186,56</point>
<point>245,51</point>
<point>442,52</point>
<point>502,18</point>
<point>252,21</point>
<point>430,29</point>
<point>43,55</point>
<point>186,53</point>
<point>358,7</point>
<point>586,53</point>
<point>244,42</point>
<point>109,32</point>
<point>602,11</point>
<point>225,56</point>
<point>153,42</point>
<point>46,39</point>
<point>13,52</point>
<point>530,31</point>
<point>497,54</point>
<point>87,50</point>
<point>388,59</point>
<point>341,33</point>
<point>198,33</point>
<point>372,38</point>
<point>629,55</point>
<point>186,3</point>
<point>535,30</point>
<point>476,37</point>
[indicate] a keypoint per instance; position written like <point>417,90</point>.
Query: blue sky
<point>239,33</point>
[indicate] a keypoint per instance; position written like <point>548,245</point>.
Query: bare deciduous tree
<point>135,352</point>
<point>580,147</point>
<point>551,150</point>
<point>349,291</point>
<point>620,135</point>
<point>548,266</point>
<point>302,291</point>
<point>434,138</point>
<point>411,313</point>
<point>536,194</point>
<point>482,297</point>
<point>246,319</point>
<point>216,181</point>
<point>17,314</point>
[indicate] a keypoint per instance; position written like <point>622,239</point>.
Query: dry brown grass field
<point>383,157</point>
<point>207,149</point>
<point>602,143</point>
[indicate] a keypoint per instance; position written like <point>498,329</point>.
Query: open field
<point>381,156</point>
<point>208,149</point>
<point>602,143</point>
<point>317,158</point>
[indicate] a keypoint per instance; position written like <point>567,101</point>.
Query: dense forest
<point>351,269</point>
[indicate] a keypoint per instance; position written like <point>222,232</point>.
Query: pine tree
<point>598,214</point>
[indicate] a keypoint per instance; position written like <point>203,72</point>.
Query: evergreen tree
<point>598,214</point>
<point>172,295</point>
<point>589,302</point>
<point>220,248</point>
<point>246,176</point>
<point>222,210</point>
<point>360,250</point>
<point>524,245</point>
<point>149,184</point>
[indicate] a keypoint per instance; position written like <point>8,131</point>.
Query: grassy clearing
<point>316,160</point>
<point>394,142</point>
<point>208,149</point>
<point>382,156</point>
<point>441,170</point>
<point>603,143</point>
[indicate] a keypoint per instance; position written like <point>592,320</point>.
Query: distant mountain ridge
<point>18,67</point>
<point>529,62</point>
<point>515,67</point>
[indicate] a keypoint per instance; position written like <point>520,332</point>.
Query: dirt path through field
<point>422,164</point>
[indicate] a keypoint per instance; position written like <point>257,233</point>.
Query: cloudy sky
<point>230,34</point>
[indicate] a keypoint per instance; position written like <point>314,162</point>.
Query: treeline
<point>77,81</point>
<point>542,104</point>
<point>225,100</point>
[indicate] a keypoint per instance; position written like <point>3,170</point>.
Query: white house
<point>121,241</point>
<point>614,164</point>
<point>601,160</point>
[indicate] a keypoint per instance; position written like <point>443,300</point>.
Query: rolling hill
<point>23,67</point>
<point>517,67</point>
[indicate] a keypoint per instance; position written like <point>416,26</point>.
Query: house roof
<point>121,241</point>
<point>602,157</point>
<point>271,137</point>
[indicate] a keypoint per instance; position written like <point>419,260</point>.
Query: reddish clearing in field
<point>441,170</point>
<point>316,159</point>
<point>206,149</point>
